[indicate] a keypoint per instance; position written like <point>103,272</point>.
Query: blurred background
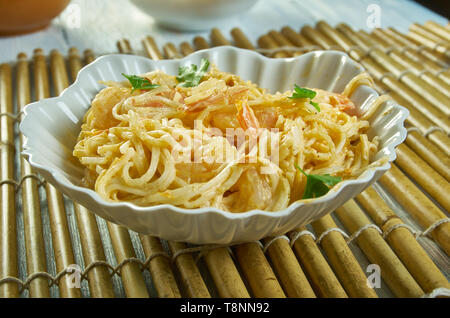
<point>98,24</point>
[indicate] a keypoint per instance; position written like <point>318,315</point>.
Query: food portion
<point>207,138</point>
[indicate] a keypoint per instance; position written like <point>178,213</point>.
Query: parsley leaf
<point>138,82</point>
<point>300,92</point>
<point>191,75</point>
<point>318,185</point>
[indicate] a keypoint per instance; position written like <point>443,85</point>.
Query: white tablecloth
<point>103,22</point>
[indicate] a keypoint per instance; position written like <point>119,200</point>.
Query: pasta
<point>224,143</point>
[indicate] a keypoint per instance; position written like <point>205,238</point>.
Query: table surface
<point>98,24</point>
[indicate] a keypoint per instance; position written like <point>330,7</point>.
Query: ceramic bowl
<point>192,15</point>
<point>52,126</point>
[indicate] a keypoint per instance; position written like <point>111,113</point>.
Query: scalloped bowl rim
<point>61,180</point>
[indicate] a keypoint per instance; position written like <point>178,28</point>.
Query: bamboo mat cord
<point>418,205</point>
<point>257,271</point>
<point>422,49</point>
<point>100,285</point>
<point>287,267</point>
<point>241,40</point>
<point>217,38</point>
<point>421,125</point>
<point>416,100</point>
<point>8,244</point>
<point>151,48</point>
<point>31,211</point>
<point>403,242</point>
<point>422,35</point>
<point>415,67</point>
<point>407,51</point>
<point>190,275</point>
<point>62,244</point>
<point>130,272</point>
<point>378,251</point>
<point>436,101</point>
<point>428,178</point>
<point>341,258</point>
<point>322,278</point>
<point>437,29</point>
<point>200,43</point>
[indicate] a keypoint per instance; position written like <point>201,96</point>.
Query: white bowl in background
<point>52,127</point>
<point>192,15</point>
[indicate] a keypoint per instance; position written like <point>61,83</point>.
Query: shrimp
<point>228,96</point>
<point>103,104</point>
<point>246,116</point>
<point>339,101</point>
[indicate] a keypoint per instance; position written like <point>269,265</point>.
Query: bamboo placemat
<point>400,223</point>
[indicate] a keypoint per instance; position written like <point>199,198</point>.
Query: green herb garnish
<point>318,185</point>
<point>138,82</point>
<point>191,75</point>
<point>300,92</point>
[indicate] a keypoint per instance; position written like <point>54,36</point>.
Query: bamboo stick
<point>266,42</point>
<point>297,39</point>
<point>257,271</point>
<point>316,37</point>
<point>431,181</point>
<point>422,50</point>
<point>434,67</point>
<point>190,275</point>
<point>186,48</point>
<point>88,56</point>
<point>8,244</point>
<point>217,38</point>
<point>417,68</point>
<point>159,266</point>
<point>225,275</point>
<point>378,251</point>
<point>416,119</point>
<point>437,29</point>
<point>421,35</point>
<point>57,213</point>
<point>133,281</point>
<point>99,280</point>
<point>430,153</point>
<point>241,40</point>
<point>421,208</point>
<point>34,238</point>
<point>124,46</point>
<point>200,43</point>
<point>151,48</point>
<point>403,242</point>
<point>170,51</point>
<point>288,269</point>
<point>437,100</point>
<point>320,275</point>
<point>160,269</point>
<point>342,260</point>
<point>281,40</point>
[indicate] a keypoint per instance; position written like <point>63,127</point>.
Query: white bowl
<point>52,126</point>
<point>192,15</point>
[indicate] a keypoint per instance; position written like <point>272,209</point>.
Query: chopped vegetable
<point>318,185</point>
<point>138,82</point>
<point>300,92</point>
<point>190,76</point>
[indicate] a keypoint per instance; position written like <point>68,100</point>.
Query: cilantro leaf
<point>191,75</point>
<point>138,82</point>
<point>300,92</point>
<point>318,185</point>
